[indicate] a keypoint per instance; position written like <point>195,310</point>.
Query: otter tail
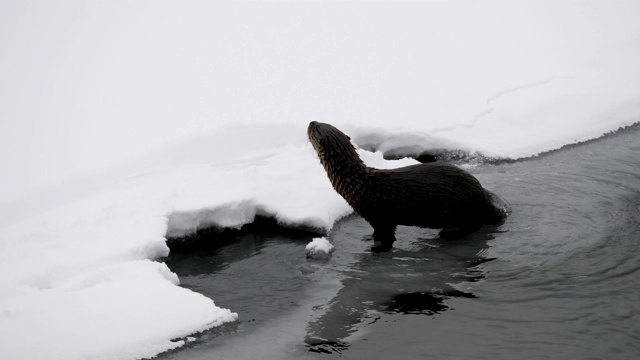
<point>499,209</point>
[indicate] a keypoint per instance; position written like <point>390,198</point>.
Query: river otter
<point>433,195</point>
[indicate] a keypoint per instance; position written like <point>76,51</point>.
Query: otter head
<point>345,169</point>
<point>332,145</point>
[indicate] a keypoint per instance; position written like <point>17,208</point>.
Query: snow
<point>79,282</point>
<point>319,249</point>
<point>124,123</point>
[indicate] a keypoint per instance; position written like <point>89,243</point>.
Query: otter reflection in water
<point>418,278</point>
<point>433,195</point>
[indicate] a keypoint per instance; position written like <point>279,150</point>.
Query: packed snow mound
<point>80,282</point>
<point>319,249</point>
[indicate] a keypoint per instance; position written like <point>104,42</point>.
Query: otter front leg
<point>383,237</point>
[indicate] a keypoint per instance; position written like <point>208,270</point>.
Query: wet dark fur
<point>433,195</point>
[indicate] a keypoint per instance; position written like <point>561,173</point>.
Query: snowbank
<point>78,282</point>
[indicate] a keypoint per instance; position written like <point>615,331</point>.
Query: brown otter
<point>432,195</point>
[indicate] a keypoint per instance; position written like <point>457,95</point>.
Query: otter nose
<point>313,123</point>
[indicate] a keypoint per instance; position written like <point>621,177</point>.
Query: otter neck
<point>348,176</point>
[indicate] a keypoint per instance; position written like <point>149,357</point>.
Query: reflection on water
<point>422,303</point>
<point>415,278</point>
<point>559,279</point>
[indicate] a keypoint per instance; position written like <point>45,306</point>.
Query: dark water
<point>559,280</point>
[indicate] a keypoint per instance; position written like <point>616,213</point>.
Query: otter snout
<point>316,131</point>
<point>312,126</point>
<point>312,131</point>
<point>323,130</point>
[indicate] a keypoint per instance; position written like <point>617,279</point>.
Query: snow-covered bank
<point>103,82</point>
<point>78,283</point>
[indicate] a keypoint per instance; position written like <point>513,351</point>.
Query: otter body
<point>432,195</point>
